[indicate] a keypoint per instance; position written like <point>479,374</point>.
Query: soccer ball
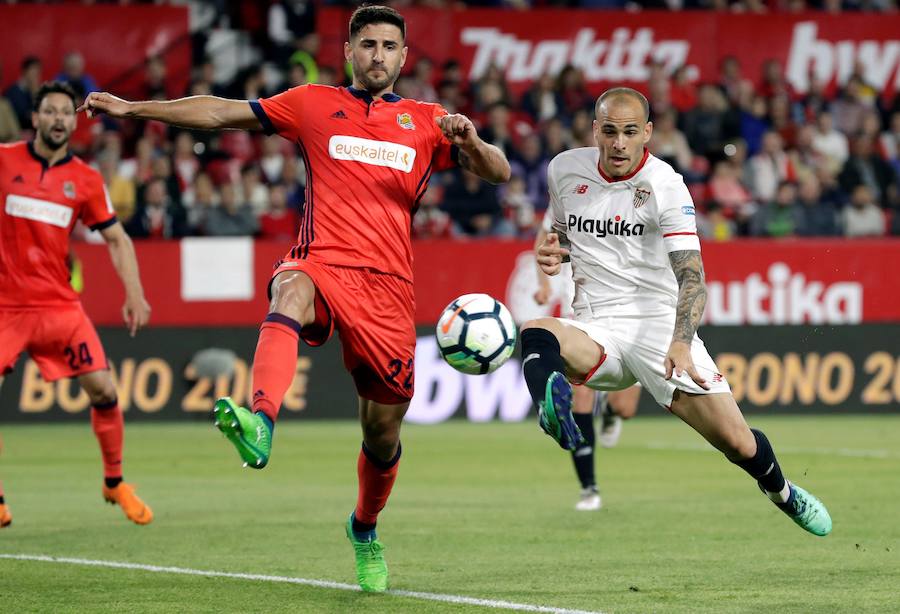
<point>476,334</point>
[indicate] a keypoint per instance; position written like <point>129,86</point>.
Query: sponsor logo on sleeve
<point>376,153</point>
<point>688,210</point>
<point>581,188</point>
<point>38,210</point>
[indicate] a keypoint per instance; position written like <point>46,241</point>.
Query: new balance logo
<point>18,179</point>
<point>580,189</point>
<point>339,115</point>
<point>531,356</point>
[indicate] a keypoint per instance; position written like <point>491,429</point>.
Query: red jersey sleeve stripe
<point>106,224</point>
<point>268,126</point>
<point>675,234</point>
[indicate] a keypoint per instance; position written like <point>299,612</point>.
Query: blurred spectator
<point>230,219</point>
<point>472,204</point>
<point>74,74</point>
<point>429,222</point>
<point>753,118</point>
<point>726,189</point>
<point>155,79</point>
<point>491,88</point>
<point>498,130</point>
<point>556,138</point>
<point>530,164</point>
<point>420,84</point>
<point>140,167</point>
<point>288,21</point>
<point>185,160</point>
<point>252,191</point>
<point>271,160</point>
<point>849,108</point>
<point>773,81</point>
<point>829,142</point>
<point>293,176</point>
<point>890,142</point>
<point>122,191</point>
<point>778,218</point>
<point>805,158</point>
<point>767,169</point>
<point>21,93</point>
<point>781,121</point>
<point>816,217</point>
<point>161,168</point>
<point>9,125</point>
<point>865,167</point>
<point>305,56</point>
<point>669,143</point>
<point>705,125</point>
<point>730,78</point>
<point>542,101</point>
<point>572,90</point>
<point>682,91</point>
<point>518,208</point>
<point>714,224</point>
<point>863,218</point>
<point>199,200</point>
<point>157,217</point>
<point>279,223</point>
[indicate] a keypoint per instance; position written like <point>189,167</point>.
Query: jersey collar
<point>636,170</point>
<point>43,160</point>
<point>364,95</point>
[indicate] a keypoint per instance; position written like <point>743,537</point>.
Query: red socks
<point>109,428</point>
<point>274,363</point>
<point>376,479</point>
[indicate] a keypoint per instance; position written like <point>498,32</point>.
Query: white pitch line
<point>457,599</point>
<point>705,447</point>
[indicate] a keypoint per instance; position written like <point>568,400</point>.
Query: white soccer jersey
<point>620,232</point>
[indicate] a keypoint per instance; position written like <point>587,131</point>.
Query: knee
<point>545,323</point>
<point>381,432</point>
<point>293,295</point>
<point>739,444</point>
<point>102,394</point>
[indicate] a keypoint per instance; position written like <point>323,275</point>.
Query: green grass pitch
<point>479,510</point>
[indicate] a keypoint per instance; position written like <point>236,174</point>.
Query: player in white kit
<point>611,407</point>
<point>627,222</point>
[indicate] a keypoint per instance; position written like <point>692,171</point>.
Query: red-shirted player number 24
<point>79,356</point>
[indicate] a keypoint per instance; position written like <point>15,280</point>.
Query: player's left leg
<point>719,420</point>
<point>5,514</point>
<point>583,454</point>
<point>109,428</point>
<point>376,469</point>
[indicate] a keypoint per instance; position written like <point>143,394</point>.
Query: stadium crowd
<point>760,159</point>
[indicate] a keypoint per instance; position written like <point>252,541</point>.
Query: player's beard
<point>373,84</point>
<point>52,142</point>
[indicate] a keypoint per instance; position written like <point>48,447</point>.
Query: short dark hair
<point>54,87</point>
<point>30,61</point>
<point>367,15</point>
<point>618,92</point>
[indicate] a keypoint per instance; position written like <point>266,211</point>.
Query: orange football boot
<point>5,516</point>
<point>123,495</point>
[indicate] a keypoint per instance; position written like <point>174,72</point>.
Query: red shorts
<point>374,314</point>
<point>61,340</point>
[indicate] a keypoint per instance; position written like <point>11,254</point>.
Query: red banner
<point>114,40</point>
<point>749,282</point>
<point>615,47</point>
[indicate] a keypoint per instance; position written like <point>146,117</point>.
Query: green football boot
<point>371,568</point>
<point>250,433</point>
<point>807,511</point>
<point>555,413</point>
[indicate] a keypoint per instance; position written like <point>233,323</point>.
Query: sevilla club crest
<point>640,197</point>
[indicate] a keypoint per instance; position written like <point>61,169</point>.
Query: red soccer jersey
<point>367,164</point>
<point>40,206</point>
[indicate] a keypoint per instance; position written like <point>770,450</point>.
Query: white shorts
<point>636,351</point>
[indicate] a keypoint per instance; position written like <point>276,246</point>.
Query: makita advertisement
<point>616,47</point>
<point>163,374</point>
<point>222,282</point>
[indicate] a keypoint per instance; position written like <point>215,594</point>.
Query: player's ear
<point>648,132</point>
<point>348,51</point>
<point>403,53</point>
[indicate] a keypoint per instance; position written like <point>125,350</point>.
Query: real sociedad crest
<point>404,120</point>
<point>69,189</point>
<point>640,197</point>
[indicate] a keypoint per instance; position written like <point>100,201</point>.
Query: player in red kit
<point>369,154</point>
<point>44,191</point>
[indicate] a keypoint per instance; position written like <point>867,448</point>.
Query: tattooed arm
<point>688,268</point>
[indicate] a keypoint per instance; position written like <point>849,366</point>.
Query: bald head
<point>620,95</point>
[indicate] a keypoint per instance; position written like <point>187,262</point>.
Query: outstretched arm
<point>136,310</point>
<point>199,112</point>
<point>485,160</point>
<point>688,268</point>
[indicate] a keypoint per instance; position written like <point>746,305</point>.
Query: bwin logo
<point>601,228</point>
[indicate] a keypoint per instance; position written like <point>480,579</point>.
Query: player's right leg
<point>719,420</point>
<point>583,454</point>
<point>551,351</point>
<point>274,364</point>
